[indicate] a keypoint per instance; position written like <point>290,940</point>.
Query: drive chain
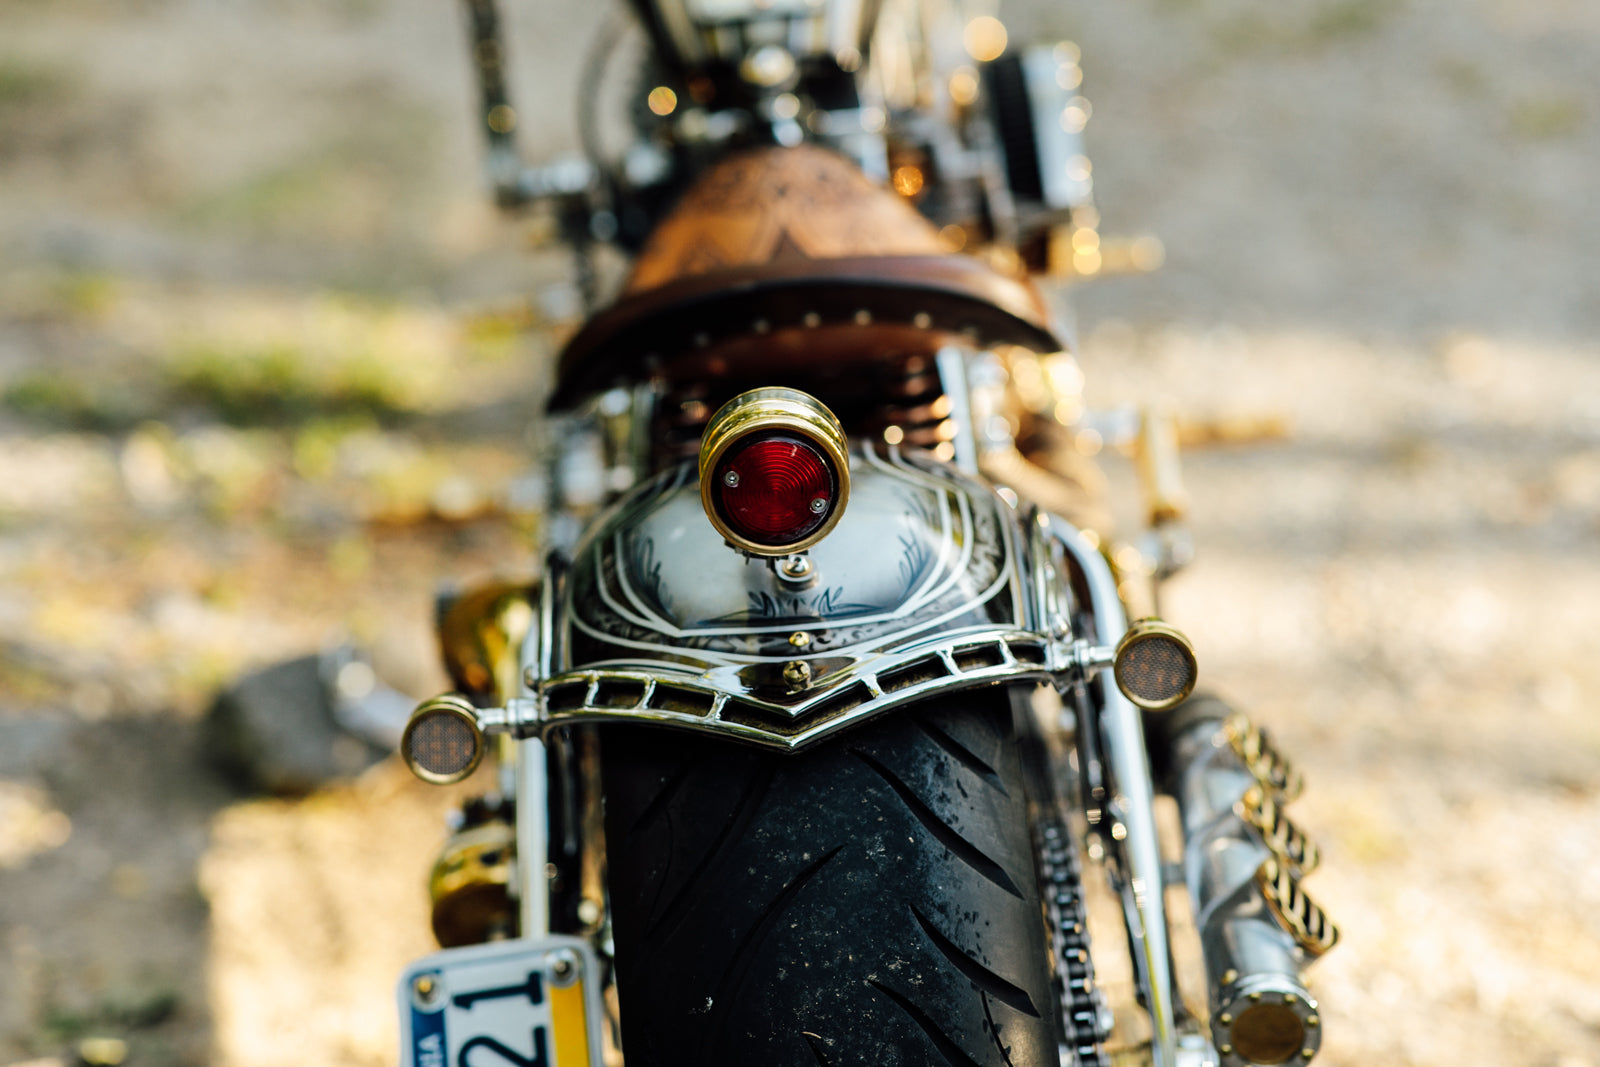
<point>1085,1017</point>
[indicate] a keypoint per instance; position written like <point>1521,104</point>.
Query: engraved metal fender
<point>931,581</point>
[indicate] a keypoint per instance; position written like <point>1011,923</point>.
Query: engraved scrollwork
<point>652,584</point>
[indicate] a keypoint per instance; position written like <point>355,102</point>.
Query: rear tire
<point>871,901</point>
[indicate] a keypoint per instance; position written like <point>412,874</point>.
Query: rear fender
<point>930,582</point>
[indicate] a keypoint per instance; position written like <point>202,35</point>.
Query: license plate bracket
<point>522,1003</point>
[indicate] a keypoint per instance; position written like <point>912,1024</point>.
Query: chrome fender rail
<point>1137,854</point>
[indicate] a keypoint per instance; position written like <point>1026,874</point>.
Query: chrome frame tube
<point>530,774</point>
<point>533,846</point>
<point>1132,804</point>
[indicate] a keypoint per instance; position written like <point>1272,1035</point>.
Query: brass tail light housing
<point>443,742</point>
<point>1155,665</point>
<point>774,471</point>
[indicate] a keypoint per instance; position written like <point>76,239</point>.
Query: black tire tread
<point>964,755</point>
<point>943,832</point>
<point>871,901</point>
<point>1014,996</point>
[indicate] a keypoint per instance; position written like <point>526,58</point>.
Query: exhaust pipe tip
<point>1266,1020</point>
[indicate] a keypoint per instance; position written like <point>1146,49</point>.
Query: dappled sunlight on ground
<point>268,368</point>
<point>1404,591</point>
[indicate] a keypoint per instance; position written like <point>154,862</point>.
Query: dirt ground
<point>266,382</point>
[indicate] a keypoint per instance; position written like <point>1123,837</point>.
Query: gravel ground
<point>259,391</point>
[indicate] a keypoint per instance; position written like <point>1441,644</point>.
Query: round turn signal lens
<point>442,742</point>
<point>1155,666</point>
<point>774,489</point>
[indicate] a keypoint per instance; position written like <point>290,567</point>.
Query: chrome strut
<point>1131,804</point>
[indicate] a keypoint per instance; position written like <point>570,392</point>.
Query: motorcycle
<point>829,682</point>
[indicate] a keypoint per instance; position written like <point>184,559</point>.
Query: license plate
<point>505,1004</point>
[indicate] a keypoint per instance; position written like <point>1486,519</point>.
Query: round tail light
<point>774,473</point>
<point>774,489</point>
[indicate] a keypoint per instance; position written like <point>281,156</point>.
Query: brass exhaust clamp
<point>1290,844</point>
<point>1313,932</point>
<point>1268,766</point>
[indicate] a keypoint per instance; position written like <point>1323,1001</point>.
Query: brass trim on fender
<point>763,411</point>
<point>1313,932</point>
<point>706,702</point>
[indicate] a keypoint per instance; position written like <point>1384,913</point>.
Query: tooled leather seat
<point>791,256</point>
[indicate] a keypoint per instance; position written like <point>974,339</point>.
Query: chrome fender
<point>931,581</point>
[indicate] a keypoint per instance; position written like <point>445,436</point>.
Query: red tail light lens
<point>774,489</point>
<point>774,471</point>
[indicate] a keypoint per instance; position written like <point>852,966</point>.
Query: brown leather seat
<point>790,256</point>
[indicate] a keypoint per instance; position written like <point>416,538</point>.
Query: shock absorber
<point>915,412</point>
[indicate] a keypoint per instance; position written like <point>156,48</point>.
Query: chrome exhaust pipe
<point>1243,860</point>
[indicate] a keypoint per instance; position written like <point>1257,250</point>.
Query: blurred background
<point>268,362</point>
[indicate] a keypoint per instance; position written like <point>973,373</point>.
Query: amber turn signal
<point>774,471</point>
<point>1155,665</point>
<point>443,742</point>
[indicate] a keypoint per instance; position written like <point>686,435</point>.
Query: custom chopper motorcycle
<point>829,677</point>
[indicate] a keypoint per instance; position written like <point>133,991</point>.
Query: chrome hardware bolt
<point>795,568</point>
<point>818,505</point>
<point>563,968</point>
<point>731,479</point>
<point>425,987</point>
